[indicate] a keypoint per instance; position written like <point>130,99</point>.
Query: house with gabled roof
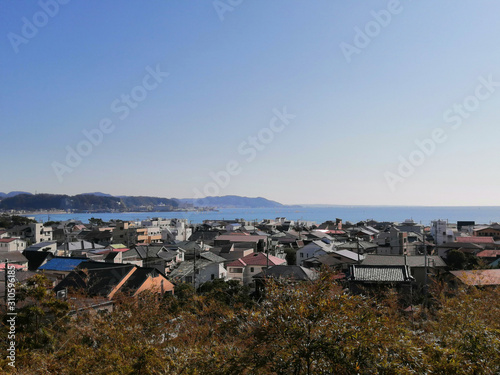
<point>314,249</point>
<point>206,267</point>
<point>363,278</point>
<point>50,246</point>
<point>258,243</point>
<point>245,268</point>
<point>105,280</point>
<point>417,264</point>
<point>11,244</point>
<point>37,259</point>
<point>286,273</point>
<point>492,230</point>
<point>58,268</point>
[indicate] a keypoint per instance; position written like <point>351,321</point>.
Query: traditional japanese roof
<point>384,274</point>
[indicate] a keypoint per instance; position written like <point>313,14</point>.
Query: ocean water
<point>424,215</point>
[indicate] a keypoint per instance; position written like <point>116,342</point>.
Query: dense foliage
<point>310,328</point>
<point>8,221</point>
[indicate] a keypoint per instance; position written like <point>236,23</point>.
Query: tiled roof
<point>475,239</point>
<point>489,253</point>
<point>399,260</point>
<point>240,238</point>
<point>288,272</point>
<point>257,259</point>
<point>380,273</point>
<point>7,240</point>
<point>478,277</point>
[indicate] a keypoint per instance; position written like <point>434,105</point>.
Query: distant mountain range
<point>105,202</point>
<point>231,201</point>
<point>12,194</point>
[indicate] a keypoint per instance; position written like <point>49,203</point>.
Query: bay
<point>424,215</point>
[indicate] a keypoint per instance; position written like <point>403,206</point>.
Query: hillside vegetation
<point>311,328</point>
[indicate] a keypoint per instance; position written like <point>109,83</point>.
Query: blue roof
<point>61,264</point>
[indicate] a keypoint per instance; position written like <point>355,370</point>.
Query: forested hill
<point>232,201</point>
<point>85,202</point>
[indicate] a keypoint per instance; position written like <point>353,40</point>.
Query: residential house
<point>258,243</point>
<point>435,264</point>
<point>314,250</point>
<point>289,274</point>
<point>77,248</point>
<point>105,280</point>
<point>58,268</point>
<point>232,252</point>
<point>441,232</point>
<point>33,232</point>
<point>492,230</point>
<point>50,246</point>
<point>11,244</point>
<point>15,258</point>
<point>201,269</point>
<point>245,268</point>
<point>467,247</point>
<point>37,259</point>
<point>364,278</point>
<point>478,277</point>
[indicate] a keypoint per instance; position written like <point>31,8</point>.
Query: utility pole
<point>357,247</point>
<point>6,265</point>
<point>425,274</point>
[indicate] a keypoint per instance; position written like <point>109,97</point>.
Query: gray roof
<point>362,245</point>
<point>208,255</point>
<point>399,260</point>
<point>38,246</point>
<point>187,268</point>
<point>296,273</point>
<point>386,274</point>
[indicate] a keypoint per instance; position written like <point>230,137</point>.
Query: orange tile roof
<point>478,277</point>
<point>475,239</point>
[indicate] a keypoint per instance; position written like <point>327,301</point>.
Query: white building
<point>12,244</point>
<point>441,233</point>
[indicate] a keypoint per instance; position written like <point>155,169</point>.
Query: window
<point>251,269</point>
<point>212,277</point>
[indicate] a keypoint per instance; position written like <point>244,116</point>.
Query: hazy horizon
<point>386,103</point>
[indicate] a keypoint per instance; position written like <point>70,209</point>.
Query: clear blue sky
<point>353,120</point>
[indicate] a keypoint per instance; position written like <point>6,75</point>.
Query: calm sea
<point>424,215</point>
